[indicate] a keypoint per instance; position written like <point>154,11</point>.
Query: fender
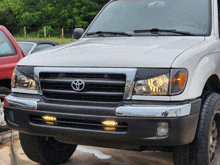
<point>202,61</point>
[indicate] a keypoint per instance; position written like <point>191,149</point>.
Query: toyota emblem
<point>78,85</point>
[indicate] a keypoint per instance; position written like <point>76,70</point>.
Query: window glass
<point>41,47</point>
<point>191,16</point>
<point>6,47</point>
<point>26,47</point>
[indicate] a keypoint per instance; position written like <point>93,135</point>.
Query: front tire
<point>44,150</point>
<point>202,150</point>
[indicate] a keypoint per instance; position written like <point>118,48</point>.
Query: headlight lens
<point>153,86</point>
<point>160,82</point>
<point>23,84</point>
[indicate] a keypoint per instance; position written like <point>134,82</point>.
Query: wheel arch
<point>5,83</point>
<point>212,85</point>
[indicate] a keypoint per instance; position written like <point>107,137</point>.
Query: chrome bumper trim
<point>19,90</point>
<point>153,111</point>
<point>20,102</point>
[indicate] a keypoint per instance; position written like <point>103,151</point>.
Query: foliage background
<point>53,14</point>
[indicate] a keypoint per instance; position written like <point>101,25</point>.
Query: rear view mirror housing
<point>78,32</point>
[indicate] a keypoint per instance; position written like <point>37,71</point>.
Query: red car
<point>10,54</point>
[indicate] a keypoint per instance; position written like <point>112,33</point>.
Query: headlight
<point>23,84</point>
<point>160,81</point>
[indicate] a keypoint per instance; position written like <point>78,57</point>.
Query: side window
<point>41,47</point>
<point>6,47</point>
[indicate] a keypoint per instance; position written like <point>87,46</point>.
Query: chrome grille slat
<point>83,93</point>
<point>85,80</point>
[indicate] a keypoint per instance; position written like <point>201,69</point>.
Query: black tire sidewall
<point>4,90</point>
<point>44,151</point>
<point>210,106</point>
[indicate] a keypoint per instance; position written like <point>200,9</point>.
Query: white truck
<point>143,76</point>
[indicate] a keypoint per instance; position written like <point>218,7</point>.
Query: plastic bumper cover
<point>141,122</point>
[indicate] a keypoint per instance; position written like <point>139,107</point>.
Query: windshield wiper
<point>156,31</point>
<point>101,33</point>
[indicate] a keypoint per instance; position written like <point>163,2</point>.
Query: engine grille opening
<point>98,87</point>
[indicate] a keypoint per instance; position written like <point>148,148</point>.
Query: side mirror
<point>78,32</point>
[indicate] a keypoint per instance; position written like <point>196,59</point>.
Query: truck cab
<point>143,76</point>
<point>10,54</point>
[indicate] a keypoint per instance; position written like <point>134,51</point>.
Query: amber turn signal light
<point>181,80</point>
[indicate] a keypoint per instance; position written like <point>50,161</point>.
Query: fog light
<point>110,128</point>
<point>49,118</point>
<point>162,129</point>
<point>111,123</point>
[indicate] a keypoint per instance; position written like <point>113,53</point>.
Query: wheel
<point>3,92</point>
<point>44,150</point>
<point>202,150</point>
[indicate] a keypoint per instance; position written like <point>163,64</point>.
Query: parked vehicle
<point>143,76</point>
<point>10,54</point>
<point>32,46</point>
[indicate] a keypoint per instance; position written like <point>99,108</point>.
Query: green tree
<point>66,14</point>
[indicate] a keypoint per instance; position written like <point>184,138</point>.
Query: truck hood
<point>129,52</point>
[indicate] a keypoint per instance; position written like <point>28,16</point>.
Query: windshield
<point>139,17</point>
<point>26,47</point>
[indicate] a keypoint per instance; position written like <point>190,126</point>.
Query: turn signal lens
<point>13,78</point>
<point>179,79</point>
<point>111,123</point>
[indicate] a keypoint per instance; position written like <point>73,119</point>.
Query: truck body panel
<point>135,52</point>
<point>8,63</point>
<point>144,75</point>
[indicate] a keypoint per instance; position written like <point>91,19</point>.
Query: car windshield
<point>26,47</point>
<point>142,17</point>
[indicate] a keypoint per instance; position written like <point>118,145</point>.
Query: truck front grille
<point>98,87</point>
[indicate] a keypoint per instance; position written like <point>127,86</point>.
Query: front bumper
<point>79,124</point>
